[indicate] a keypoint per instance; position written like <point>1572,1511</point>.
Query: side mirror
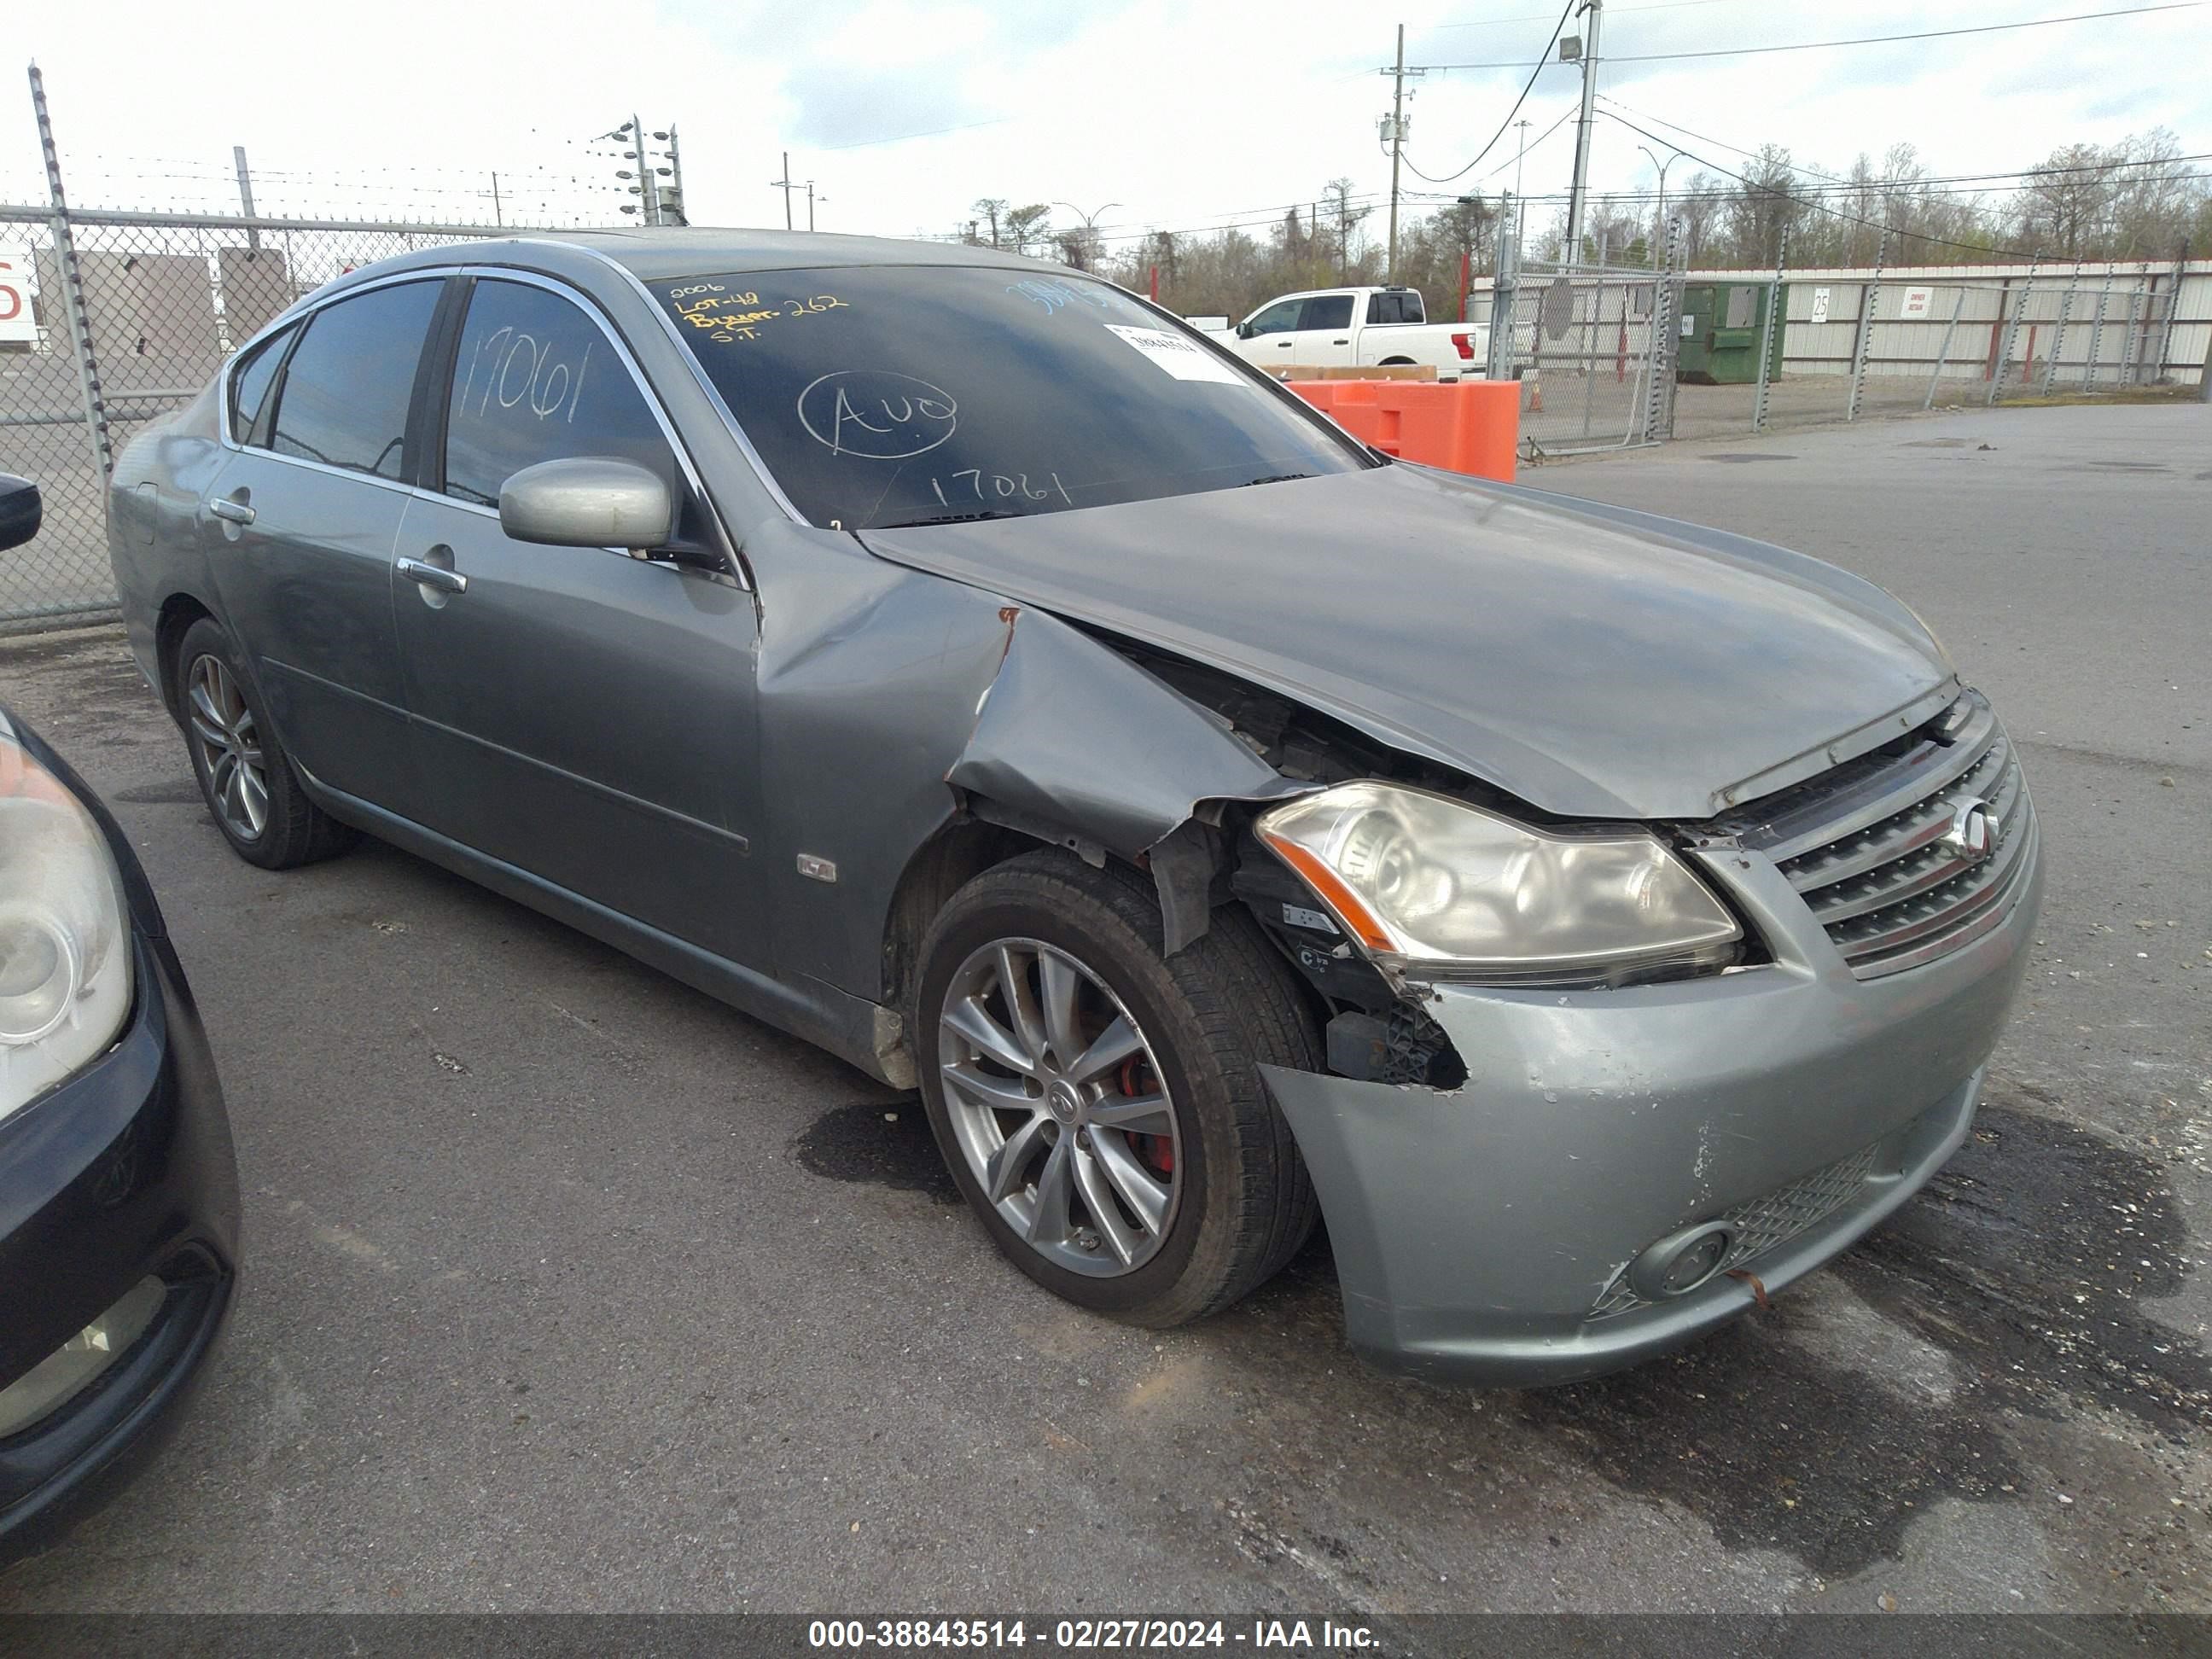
<point>21,509</point>
<point>1244,331</point>
<point>591,501</point>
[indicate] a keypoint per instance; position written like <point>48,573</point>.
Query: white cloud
<point>1185,113</point>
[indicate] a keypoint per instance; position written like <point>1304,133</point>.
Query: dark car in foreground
<point>1598,921</point>
<point>118,1193</point>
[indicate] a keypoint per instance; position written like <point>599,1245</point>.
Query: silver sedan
<point>1597,922</point>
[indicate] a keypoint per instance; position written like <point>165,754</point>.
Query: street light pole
<point>1659,221</point>
<point>1089,221</point>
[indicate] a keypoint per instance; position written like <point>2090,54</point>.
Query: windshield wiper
<point>951,518</point>
<point>1274,477</point>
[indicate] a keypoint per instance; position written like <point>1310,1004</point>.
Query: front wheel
<point>1101,1108</point>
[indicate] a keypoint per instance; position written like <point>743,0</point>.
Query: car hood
<point>1591,661</point>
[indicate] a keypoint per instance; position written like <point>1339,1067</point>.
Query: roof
<point>659,254</point>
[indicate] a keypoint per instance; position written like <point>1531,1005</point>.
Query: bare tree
<point>992,209</point>
<point>2067,199</point>
<point>1337,199</point>
<point>1764,208</point>
<point>1026,226</point>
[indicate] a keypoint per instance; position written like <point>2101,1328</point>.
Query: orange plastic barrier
<point>1472,426</point>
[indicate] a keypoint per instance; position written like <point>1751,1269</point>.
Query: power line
<point>1857,40</point>
<point>1904,184</point>
<point>1817,207</point>
<point>1564,12</point>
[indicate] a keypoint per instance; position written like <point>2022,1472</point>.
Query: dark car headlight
<point>1432,886</point>
<point>65,947</point>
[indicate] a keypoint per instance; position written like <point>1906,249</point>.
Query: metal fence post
<point>1943,351</point>
<point>2172,308</point>
<point>2058,329</point>
<point>2097,332</point>
<point>1776,300</point>
<point>2011,334</point>
<point>1502,288</point>
<point>1666,306</point>
<point>72,287</point>
<point>2125,373</point>
<point>1863,348</point>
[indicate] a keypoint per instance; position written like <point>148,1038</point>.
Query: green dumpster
<point>1721,325</point>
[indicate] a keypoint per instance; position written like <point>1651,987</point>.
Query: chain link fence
<point>119,318</point>
<point>1593,346</point>
<point>1754,352</point>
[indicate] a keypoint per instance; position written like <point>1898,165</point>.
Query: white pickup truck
<point>1364,325</point>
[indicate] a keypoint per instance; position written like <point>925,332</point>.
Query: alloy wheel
<point>228,739</point>
<point>1059,1108</point>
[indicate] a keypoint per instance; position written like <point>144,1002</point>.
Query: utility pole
<point>810,203</point>
<point>648,197</point>
<point>786,187</point>
<point>1594,10</point>
<point>245,195</point>
<point>1394,129</point>
<point>1520,156</point>
<point>495,218</point>
<point>682,215</point>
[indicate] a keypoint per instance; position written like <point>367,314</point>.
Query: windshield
<point>888,395</point>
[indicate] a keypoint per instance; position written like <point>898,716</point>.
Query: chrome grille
<point>1869,847</point>
<point>1761,1224</point>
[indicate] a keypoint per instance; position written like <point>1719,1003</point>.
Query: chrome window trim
<point>733,565</point>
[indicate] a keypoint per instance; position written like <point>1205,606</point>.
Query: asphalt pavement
<point>570,1289</point>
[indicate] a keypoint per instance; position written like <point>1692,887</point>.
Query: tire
<point>233,748</point>
<point>1239,1201</point>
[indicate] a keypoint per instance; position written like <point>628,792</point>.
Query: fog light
<point>1680,1262</point>
<point>71,1368</point>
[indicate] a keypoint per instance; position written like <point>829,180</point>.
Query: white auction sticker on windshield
<point>1179,357</point>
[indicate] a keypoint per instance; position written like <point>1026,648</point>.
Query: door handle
<point>1339,342</point>
<point>430,575</point>
<point>236,512</point>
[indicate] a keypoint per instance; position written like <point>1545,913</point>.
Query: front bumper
<point>1480,1234</point>
<point>124,1170</point>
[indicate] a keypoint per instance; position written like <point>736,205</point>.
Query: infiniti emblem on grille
<point>1971,832</point>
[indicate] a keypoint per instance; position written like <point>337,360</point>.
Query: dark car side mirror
<point>1244,331</point>
<point>21,508</point>
<point>590,501</point>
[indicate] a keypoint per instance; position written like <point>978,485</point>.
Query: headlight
<point>65,951</point>
<point>1430,884</point>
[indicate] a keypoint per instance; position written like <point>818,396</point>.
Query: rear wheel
<point>244,773</point>
<point>1100,1108</point>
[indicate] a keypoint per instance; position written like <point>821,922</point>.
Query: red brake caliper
<point>1158,1151</point>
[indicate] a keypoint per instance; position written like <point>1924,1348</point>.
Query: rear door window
<point>1328,311</point>
<point>537,380</point>
<point>345,396</point>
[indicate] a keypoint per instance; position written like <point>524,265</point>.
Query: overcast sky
<point>1182,113</point>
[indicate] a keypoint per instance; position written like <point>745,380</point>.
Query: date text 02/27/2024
<point>1087,1635</point>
